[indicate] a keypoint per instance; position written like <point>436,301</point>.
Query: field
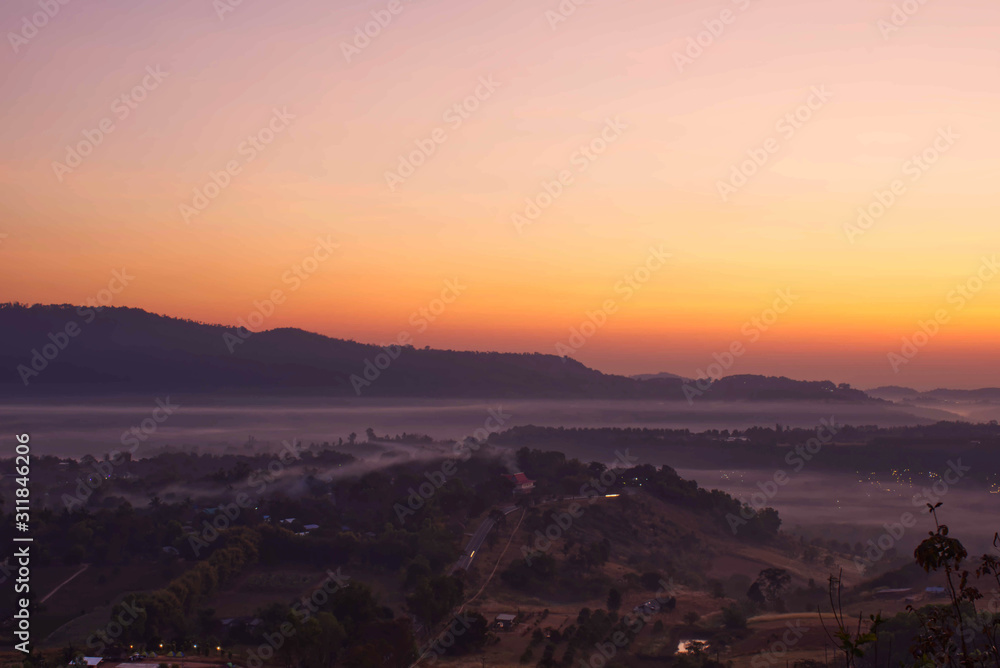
<point>643,531</point>
<point>83,605</point>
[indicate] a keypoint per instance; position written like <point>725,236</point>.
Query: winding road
<point>477,540</point>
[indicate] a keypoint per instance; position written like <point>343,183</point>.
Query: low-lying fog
<point>81,427</point>
<point>836,506</point>
<point>827,505</point>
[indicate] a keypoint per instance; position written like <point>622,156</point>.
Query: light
<point>610,496</point>
<point>161,645</point>
<point>218,649</point>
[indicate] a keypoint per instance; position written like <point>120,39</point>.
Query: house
<point>249,624</point>
<point>92,660</point>
<point>522,485</point>
<point>648,608</point>
<point>311,527</point>
<point>504,622</point>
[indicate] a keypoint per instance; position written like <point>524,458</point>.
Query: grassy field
<point>83,605</point>
<point>649,530</point>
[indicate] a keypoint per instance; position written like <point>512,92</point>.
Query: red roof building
<point>522,484</point>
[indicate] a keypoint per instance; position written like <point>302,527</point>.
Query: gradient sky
<point>656,185</point>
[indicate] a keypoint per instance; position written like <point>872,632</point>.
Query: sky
<point>675,173</point>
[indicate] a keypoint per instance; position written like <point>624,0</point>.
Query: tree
<point>734,618</point>
<point>755,595</point>
<point>498,517</point>
<point>475,636</point>
<point>650,581</point>
<point>433,598</point>
<point>771,582</point>
<point>614,599</point>
<point>852,641</point>
<point>944,628</point>
<point>382,643</point>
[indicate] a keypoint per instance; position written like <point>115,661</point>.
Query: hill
<point>79,350</point>
<point>127,349</point>
<point>658,376</point>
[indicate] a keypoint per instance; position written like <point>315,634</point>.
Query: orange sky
<point>663,137</point>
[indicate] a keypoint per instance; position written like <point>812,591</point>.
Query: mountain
<point>907,394</point>
<point>71,350</point>
<point>126,349</point>
<point>982,394</point>
<point>663,375</point>
<point>892,392</point>
<point>772,388</point>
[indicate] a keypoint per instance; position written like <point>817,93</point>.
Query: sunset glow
<point>557,150</point>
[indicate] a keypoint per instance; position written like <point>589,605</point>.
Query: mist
<point>215,424</point>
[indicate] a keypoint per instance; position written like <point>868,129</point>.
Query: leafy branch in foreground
<point>853,644</point>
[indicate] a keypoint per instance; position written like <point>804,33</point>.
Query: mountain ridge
<point>121,349</point>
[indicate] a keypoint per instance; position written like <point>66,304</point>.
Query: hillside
<point>76,350</point>
<point>657,550</point>
<point>124,349</point>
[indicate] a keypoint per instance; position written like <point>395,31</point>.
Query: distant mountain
<point>73,350</point>
<point>892,392</point>
<point>909,395</point>
<point>982,394</point>
<point>772,388</point>
<point>663,375</point>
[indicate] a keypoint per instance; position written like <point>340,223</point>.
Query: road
<point>477,540</point>
<point>63,583</point>
<point>487,525</point>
